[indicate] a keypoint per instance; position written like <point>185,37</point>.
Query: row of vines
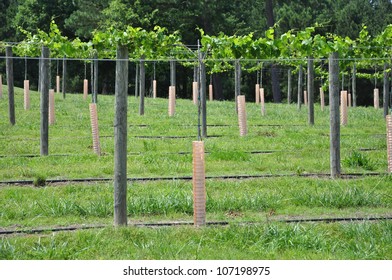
<point>290,49</point>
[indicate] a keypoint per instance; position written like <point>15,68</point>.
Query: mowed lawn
<point>291,158</point>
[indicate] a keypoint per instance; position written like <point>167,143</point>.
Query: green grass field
<point>280,145</point>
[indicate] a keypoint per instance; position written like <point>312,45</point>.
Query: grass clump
<point>39,181</point>
<point>232,155</point>
<point>357,159</point>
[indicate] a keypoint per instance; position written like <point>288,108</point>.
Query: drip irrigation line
<point>129,154</point>
<point>52,229</point>
<point>220,125</point>
<point>377,135</point>
<point>189,178</point>
<point>7,232</point>
<point>254,152</point>
<point>334,220</point>
<point>87,227</point>
<point>173,137</point>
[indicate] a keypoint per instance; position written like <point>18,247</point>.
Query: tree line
<point>80,18</point>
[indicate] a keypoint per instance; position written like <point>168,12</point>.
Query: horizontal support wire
<point>195,60</point>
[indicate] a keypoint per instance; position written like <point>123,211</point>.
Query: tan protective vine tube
<point>26,94</point>
<point>322,99</point>
<point>154,89</point>
<point>343,107</point>
<point>257,93</point>
<point>376,97</point>
<point>199,184</point>
<point>94,128</point>
<point>262,101</point>
<point>58,84</point>
<point>242,115</point>
<point>389,142</point>
<point>195,92</point>
<point>211,93</point>
<point>172,100</point>
<point>52,114</point>
<point>85,89</point>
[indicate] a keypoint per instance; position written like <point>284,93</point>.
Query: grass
<point>271,241</point>
<point>357,159</point>
<point>281,143</point>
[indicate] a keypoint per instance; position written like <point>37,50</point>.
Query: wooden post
<point>92,77</point>
<point>237,81</point>
<point>203,98</point>
<point>52,111</point>
<point>322,99</point>
<point>262,101</point>
<point>44,101</point>
<point>289,86</point>
<point>300,85</point>
<point>137,82</point>
<point>389,142</point>
<point>142,87</point>
<point>120,138</point>
<point>26,94</point>
<point>343,107</point>
<point>334,115</point>
<point>386,92</point>
<point>199,185</point>
<point>10,84</point>
<point>64,76</point>
<point>39,74</point>
<point>376,98</point>
<point>94,128</point>
<point>310,87</point>
<point>242,115</point>
<point>354,85</point>
<point>85,89</point>
<point>95,91</point>
<point>257,93</point>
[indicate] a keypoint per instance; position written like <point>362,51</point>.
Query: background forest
<point>79,18</point>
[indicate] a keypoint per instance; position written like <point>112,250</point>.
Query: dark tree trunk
<point>269,11</point>
<point>277,95</point>
<point>10,84</point>
<point>218,89</point>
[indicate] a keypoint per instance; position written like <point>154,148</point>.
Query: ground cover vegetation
<point>279,143</point>
<point>286,159</point>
